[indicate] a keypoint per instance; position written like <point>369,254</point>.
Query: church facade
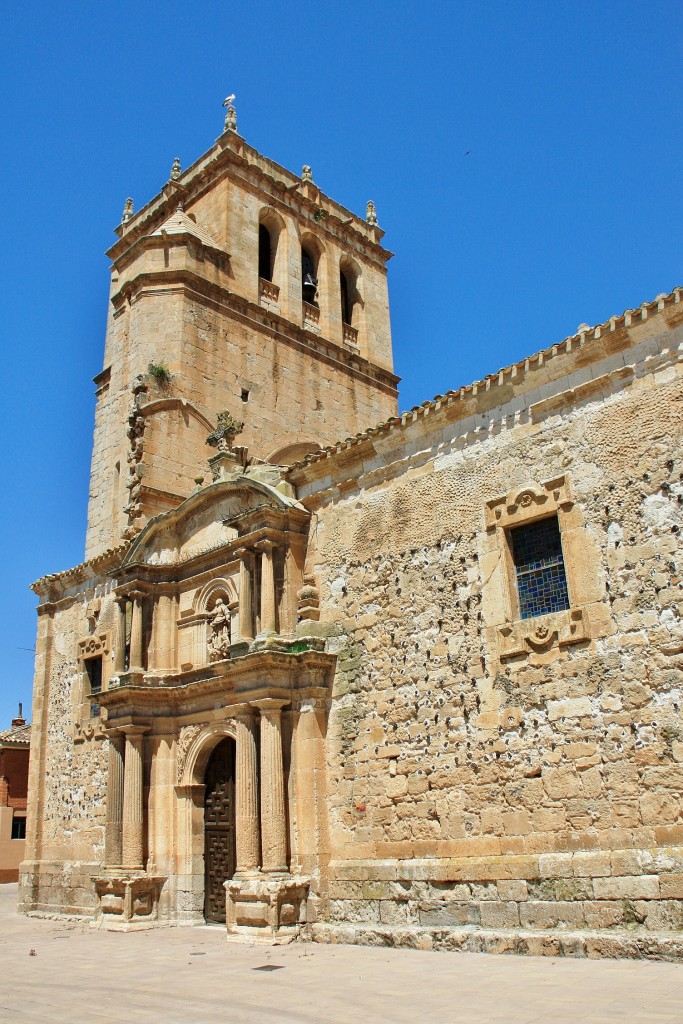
<point>421,685</point>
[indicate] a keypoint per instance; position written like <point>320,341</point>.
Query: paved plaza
<point>194,976</point>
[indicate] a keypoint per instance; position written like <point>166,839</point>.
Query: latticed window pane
<point>539,568</point>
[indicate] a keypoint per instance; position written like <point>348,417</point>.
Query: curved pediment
<point>212,518</point>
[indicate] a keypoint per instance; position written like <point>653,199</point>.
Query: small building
<point>14,754</point>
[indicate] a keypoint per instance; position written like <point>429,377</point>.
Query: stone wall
<point>467,786</point>
<point>186,295</point>
<point>67,776</point>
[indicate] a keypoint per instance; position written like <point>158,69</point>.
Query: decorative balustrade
<point>350,335</point>
<point>268,293</point>
<point>311,317</point>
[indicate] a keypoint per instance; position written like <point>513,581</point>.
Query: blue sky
<point>524,159</point>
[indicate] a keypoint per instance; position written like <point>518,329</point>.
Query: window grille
<point>539,568</point>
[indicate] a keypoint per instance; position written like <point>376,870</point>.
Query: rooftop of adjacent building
<point>18,736</point>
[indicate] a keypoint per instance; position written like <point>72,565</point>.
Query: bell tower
<point>239,287</point>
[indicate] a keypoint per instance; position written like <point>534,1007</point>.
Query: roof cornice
<point>315,464</point>
<point>232,155</point>
<point>53,586</point>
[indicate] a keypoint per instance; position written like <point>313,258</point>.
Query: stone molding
<point>91,729</point>
<point>232,156</point>
<point>195,740</point>
<point>525,504</point>
<point>558,629</point>
<point>537,634</point>
<point>92,646</point>
<point>481,396</point>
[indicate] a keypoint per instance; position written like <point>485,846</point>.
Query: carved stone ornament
<point>371,214</point>
<point>227,429</point>
<point>136,430</point>
<point>92,611</point>
<point>91,729</point>
<point>127,211</point>
<point>176,170</point>
<point>306,174</point>
<point>218,640</point>
<point>536,635</point>
<point>529,502</point>
<point>308,599</point>
<point>188,734</point>
<point>92,646</point>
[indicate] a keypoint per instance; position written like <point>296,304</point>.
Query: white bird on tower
<point>230,115</point>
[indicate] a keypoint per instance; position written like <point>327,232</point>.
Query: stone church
<point>345,674</point>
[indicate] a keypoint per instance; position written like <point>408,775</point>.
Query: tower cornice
<point>231,156</point>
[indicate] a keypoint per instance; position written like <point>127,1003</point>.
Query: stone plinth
<point>266,909</point>
<point>127,902</point>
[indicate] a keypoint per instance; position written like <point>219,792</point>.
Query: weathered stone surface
<point>431,758</point>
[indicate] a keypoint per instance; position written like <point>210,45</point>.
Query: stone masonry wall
<point>67,783</point>
<point>539,791</point>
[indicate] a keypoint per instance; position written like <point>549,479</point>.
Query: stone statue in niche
<point>219,632</point>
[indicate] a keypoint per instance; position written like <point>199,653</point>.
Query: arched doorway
<point>219,828</point>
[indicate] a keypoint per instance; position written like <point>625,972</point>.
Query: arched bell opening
<point>351,301</point>
<point>220,856</point>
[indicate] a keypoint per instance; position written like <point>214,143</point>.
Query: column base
<point>269,642</point>
<point>127,900</point>
<point>266,908</point>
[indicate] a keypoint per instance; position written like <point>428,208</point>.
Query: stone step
<point>595,945</point>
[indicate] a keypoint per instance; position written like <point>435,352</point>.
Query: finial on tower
<point>371,214</point>
<point>230,114</point>
<point>127,211</point>
<point>175,170</point>
<point>307,174</point>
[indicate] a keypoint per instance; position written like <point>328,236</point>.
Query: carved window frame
<point>520,507</point>
<point>97,645</point>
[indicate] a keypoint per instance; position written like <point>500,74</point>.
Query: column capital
<point>312,698</point>
<point>242,711</point>
<point>265,546</point>
<point>130,729</point>
<point>269,705</point>
<point>244,552</point>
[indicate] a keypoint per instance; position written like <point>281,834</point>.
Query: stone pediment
<point>212,518</point>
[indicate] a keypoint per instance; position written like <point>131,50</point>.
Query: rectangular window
<point>539,568</point>
<point>93,666</point>
<point>18,828</point>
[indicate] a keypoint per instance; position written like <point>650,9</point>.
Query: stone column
<point>132,831</point>
<point>113,833</point>
<point>159,656</point>
<point>267,586</point>
<point>273,818</point>
<point>120,657</point>
<point>247,816</point>
<point>136,635</point>
<point>246,594</point>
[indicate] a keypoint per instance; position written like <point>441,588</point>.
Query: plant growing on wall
<point>160,373</point>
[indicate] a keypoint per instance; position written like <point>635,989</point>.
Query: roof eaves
<point>492,380</point>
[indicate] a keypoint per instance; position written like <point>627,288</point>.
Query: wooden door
<point>219,828</point>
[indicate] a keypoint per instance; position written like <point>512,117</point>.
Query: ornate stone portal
<point>207,651</point>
